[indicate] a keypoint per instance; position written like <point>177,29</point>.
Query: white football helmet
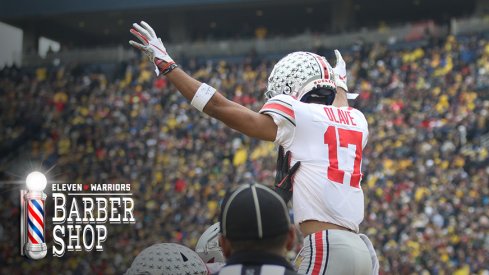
<point>300,73</point>
<point>167,258</point>
<point>208,246</point>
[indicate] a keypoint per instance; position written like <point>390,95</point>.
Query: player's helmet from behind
<point>208,245</point>
<point>167,258</point>
<point>306,76</point>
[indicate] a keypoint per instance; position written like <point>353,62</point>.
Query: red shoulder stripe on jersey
<point>280,102</point>
<point>288,118</point>
<point>279,107</point>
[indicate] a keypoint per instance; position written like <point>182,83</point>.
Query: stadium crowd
<point>426,166</point>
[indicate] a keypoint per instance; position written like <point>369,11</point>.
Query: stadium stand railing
<point>277,45</point>
<point>228,48</point>
<point>469,25</point>
<point>81,56</point>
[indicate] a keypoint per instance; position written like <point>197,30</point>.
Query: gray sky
<point>10,45</point>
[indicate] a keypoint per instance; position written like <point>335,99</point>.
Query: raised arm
<point>231,113</point>
<point>203,97</point>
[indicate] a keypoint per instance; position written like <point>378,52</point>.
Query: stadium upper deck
<point>98,23</point>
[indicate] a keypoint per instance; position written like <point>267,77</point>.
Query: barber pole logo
<point>79,218</point>
<point>32,242</point>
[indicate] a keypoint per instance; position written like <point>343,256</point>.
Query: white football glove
<point>152,46</point>
<point>340,75</point>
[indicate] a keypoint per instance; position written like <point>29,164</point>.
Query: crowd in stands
<point>426,166</point>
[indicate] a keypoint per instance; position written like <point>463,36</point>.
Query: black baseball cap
<point>253,212</point>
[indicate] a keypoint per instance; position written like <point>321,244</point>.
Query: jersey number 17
<point>345,137</point>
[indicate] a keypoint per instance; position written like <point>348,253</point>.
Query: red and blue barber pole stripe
<point>35,221</point>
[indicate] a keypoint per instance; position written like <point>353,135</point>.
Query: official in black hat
<point>256,232</point>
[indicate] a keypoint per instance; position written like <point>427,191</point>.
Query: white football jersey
<point>328,141</point>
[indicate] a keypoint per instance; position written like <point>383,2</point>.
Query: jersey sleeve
<point>281,109</point>
<point>365,128</point>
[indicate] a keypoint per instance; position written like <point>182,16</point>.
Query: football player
<point>307,112</point>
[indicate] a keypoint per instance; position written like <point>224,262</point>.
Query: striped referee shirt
<point>256,263</point>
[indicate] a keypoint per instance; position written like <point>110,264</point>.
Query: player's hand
<point>340,75</point>
<point>285,175</point>
<point>340,71</point>
<point>151,46</point>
